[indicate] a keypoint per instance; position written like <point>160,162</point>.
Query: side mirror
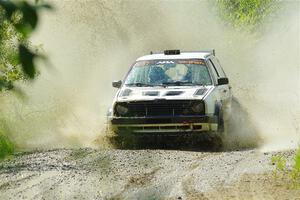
<point>223,81</point>
<point>117,84</point>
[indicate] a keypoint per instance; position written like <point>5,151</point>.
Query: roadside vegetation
<point>6,146</point>
<point>247,15</point>
<point>18,19</point>
<point>296,170</point>
<point>250,16</point>
<point>283,172</point>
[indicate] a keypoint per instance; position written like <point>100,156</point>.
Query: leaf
<point>9,8</point>
<point>46,6</point>
<point>26,60</point>
<point>23,29</point>
<point>29,14</point>
<point>7,85</point>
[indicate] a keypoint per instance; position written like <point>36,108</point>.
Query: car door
<point>224,90</point>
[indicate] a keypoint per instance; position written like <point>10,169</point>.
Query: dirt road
<point>141,174</point>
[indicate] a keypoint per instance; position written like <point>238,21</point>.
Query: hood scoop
<point>151,93</point>
<point>201,91</point>
<point>173,93</point>
<point>125,93</point>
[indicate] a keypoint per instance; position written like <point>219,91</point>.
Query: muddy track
<point>135,174</point>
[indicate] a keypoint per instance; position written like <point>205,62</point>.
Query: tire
<point>217,145</point>
<point>220,135</point>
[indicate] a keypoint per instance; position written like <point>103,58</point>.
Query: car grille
<point>159,108</point>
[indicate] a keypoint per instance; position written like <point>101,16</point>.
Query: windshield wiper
<point>139,84</point>
<point>178,83</point>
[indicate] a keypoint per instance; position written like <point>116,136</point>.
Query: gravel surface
<point>140,174</point>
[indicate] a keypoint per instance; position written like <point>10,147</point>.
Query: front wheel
<point>221,134</point>
<point>217,142</point>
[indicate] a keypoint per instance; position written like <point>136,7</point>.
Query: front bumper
<point>165,124</point>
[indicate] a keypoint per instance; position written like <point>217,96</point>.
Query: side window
<point>218,67</point>
<point>214,69</point>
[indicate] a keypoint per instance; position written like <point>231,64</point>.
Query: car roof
<point>182,55</point>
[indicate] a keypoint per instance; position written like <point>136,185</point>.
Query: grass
<point>297,161</point>
<point>279,162</point>
<point>292,173</point>
<point>7,148</point>
<point>295,174</point>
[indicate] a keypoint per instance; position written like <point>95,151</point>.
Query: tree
<point>246,14</point>
<point>17,21</point>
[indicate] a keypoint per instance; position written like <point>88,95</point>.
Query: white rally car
<point>172,93</point>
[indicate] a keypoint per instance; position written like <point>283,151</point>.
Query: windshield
<point>168,72</point>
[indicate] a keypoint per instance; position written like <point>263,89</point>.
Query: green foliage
<point>18,20</point>
<point>6,147</point>
<point>297,160</point>
<point>295,174</point>
<point>10,69</point>
<point>282,170</point>
<point>246,14</point>
<point>280,162</point>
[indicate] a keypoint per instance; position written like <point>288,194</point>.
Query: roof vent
<point>172,52</point>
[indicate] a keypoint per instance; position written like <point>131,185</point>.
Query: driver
<point>157,75</point>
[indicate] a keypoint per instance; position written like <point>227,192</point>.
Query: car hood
<point>151,93</point>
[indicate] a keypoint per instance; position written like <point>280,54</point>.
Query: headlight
<point>198,107</point>
<point>121,109</point>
